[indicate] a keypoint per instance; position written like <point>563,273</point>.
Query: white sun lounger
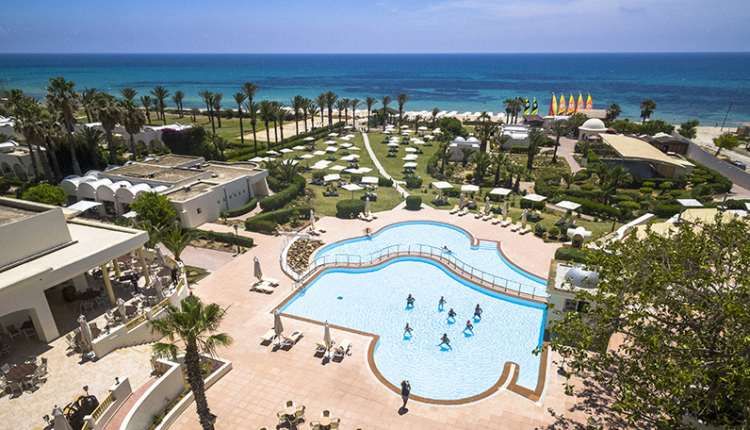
<point>291,340</point>
<point>271,281</point>
<point>321,347</point>
<point>262,288</point>
<point>343,349</point>
<point>268,337</point>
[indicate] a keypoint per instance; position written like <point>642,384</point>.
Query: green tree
<point>559,128</point>
<point>296,104</point>
<point>345,105</point>
<point>401,100</point>
<point>266,115</point>
<point>681,303</point>
<point>434,113</point>
<point>647,108</point>
<point>110,114</point>
<point>87,99</point>
<point>152,230</point>
<point>498,162</point>
<point>467,152</point>
<point>369,103</point>
<point>208,99</point>
<point>331,98</point>
<point>133,119</point>
<point>160,94</point>
<point>536,138</point>
<point>386,100</point>
<point>240,98</point>
<point>61,100</point>
<point>452,126</point>
<point>725,141</point>
<point>194,326</point>
<point>322,101</point>
<point>128,94</point>
<point>312,110</point>
<point>687,129</point>
<point>305,111</point>
<point>176,239</point>
<point>216,106</point>
<point>147,101</point>
<point>91,138</point>
<point>501,139</point>
<point>221,144</point>
<point>47,194</point>
<point>155,208</point>
<point>482,162</point>
<point>613,111</point>
<point>28,123</point>
<point>341,105</point>
<point>177,98</point>
<point>279,115</point>
<point>252,112</point>
<point>353,104</point>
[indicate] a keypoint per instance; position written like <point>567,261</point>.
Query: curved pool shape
<point>373,300</point>
<point>484,257</point>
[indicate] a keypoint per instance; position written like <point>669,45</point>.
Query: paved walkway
<point>380,166</point>
<point>209,259</point>
<point>566,150</point>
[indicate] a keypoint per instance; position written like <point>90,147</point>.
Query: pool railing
<point>488,280</point>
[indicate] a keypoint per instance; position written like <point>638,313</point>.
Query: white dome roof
<point>582,278</point>
<point>593,124</point>
<point>472,140</point>
<point>459,139</point>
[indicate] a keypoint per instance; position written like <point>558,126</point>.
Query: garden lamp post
<point>237,236</point>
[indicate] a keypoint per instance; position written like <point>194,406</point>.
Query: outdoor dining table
<point>95,332</point>
<point>87,295</point>
<point>20,372</point>
<point>129,310</point>
<point>325,421</point>
<point>149,292</point>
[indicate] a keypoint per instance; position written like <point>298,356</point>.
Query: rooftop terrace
<point>190,191</point>
<point>9,214</point>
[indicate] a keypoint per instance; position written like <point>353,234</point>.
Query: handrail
<point>483,278</point>
<point>99,411</point>
<point>135,322</point>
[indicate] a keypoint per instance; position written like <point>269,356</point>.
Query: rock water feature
<point>299,253</point>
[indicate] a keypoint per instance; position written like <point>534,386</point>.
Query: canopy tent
<point>352,188</point>
<point>370,180</point>
<point>350,157</point>
<point>442,185</point>
<point>332,177</point>
<point>307,156</point>
<point>309,139</point>
<point>500,191</point>
<point>298,148</point>
<point>411,149</point>
<point>534,197</point>
<point>131,214</point>
<point>285,150</point>
<point>410,165</point>
<point>354,148</point>
<point>410,157</point>
<point>272,152</point>
<point>568,205</point>
<point>331,142</point>
<point>331,149</point>
<point>337,167</point>
<point>332,134</point>
<point>393,144</point>
<point>469,188</point>
<point>418,142</point>
<point>422,128</point>
<point>319,153</point>
<point>346,145</point>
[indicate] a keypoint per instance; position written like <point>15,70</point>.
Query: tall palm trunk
<point>275,134</point>
<point>268,134</point>
<point>33,157</point>
<point>53,156</point>
<point>111,145</point>
<point>255,139</point>
<point>195,379</point>
<point>72,147</point>
<point>242,134</point>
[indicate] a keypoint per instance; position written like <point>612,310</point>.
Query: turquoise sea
<point>684,85</point>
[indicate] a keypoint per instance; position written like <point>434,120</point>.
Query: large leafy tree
<point>353,104</point>
<point>501,139</point>
<point>647,108</point>
<point>679,307</point>
<point>341,106</point>
<point>687,129</point>
<point>401,100</point>
<point>434,113</point>
<point>312,110</point>
<point>87,100</point>
<point>47,194</point>
<point>62,99</point>
<point>498,161</point>
<point>279,115</point>
<point>155,208</point>
<point>128,94</point>
<point>28,123</point>
<point>194,326</point>
<point>726,141</point>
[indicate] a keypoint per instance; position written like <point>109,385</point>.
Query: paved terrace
<point>264,377</point>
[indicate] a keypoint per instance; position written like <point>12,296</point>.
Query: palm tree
<point>305,111</point>
<point>109,113</point>
<point>176,239</point>
<point>52,135</point>
<point>435,113</point>
<point>279,116</point>
<point>445,143</point>
<point>220,143</point>
<point>160,94</point>
<point>501,139</point>
<point>401,100</point>
<point>482,161</point>
<point>386,100</point>
<point>498,161</point>
<point>239,98</point>
<point>286,172</point>
<point>520,172</point>
<point>612,179</point>
<point>508,106</point>
<point>321,101</point>
<point>313,110</point>
<point>568,178</point>
<point>133,120</point>
<point>346,110</point>
<point>194,325</point>
<point>194,112</point>
<point>177,98</point>
<point>341,106</point>
<point>559,128</point>
<point>146,101</point>
<point>28,116</point>
<point>249,89</point>
<point>128,93</point>
<point>87,98</point>
<point>208,98</point>
<point>92,138</point>
<point>517,108</point>
<point>266,114</point>
<point>467,154</point>
<point>647,108</point>
<point>252,112</point>
<point>61,99</point>
<point>536,138</point>
<point>296,103</point>
<point>613,111</point>
<point>354,103</point>
<point>217,107</point>
<point>331,98</point>
<point>485,131</point>
<point>370,102</point>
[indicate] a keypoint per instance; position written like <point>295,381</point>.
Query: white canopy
<point>410,164</point>
<point>298,148</point>
<point>131,214</point>
<point>418,142</point>
<point>348,127</point>
<point>272,152</point>
<point>354,148</point>
<point>332,177</point>
<point>469,188</point>
<point>290,161</point>
<point>404,126</point>
<point>332,134</point>
<point>370,180</point>
<point>337,167</point>
<point>411,149</point>
<point>346,145</point>
<point>568,205</point>
<point>422,128</point>
<point>535,197</point>
<point>331,149</point>
<point>319,153</point>
<point>359,171</point>
<point>690,203</point>
<point>352,187</point>
<point>500,191</point>
<point>84,205</point>
<point>442,185</point>
<point>306,156</point>
<point>410,157</point>
<point>257,159</point>
<point>330,142</point>
<point>393,144</point>
<point>308,139</point>
<point>285,150</point>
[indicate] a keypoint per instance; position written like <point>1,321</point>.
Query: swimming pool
<point>372,300</point>
<point>484,257</point>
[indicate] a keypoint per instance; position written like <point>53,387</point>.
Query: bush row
<point>413,203</point>
<point>268,222</point>
<point>349,208</point>
<point>593,208</point>
<point>229,238</point>
<point>571,254</point>
<point>241,210</point>
<point>280,199</point>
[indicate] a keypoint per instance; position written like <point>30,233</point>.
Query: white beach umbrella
<point>422,128</point>
<point>86,336</point>
<point>330,142</point>
<point>500,191</point>
<point>257,271</point>
<point>332,177</point>
<point>418,142</point>
<point>331,149</point>
<point>327,337</point>
<point>306,156</point>
<point>469,188</point>
<point>487,204</point>
<point>393,144</point>
<point>312,218</point>
<point>298,148</point>
<point>523,217</point>
<point>352,188</point>
<point>404,134</point>
<point>346,145</point>
<point>285,150</point>
<point>309,139</point>
<point>370,180</point>
<point>347,127</point>
<point>272,152</point>
<point>332,134</point>
<point>441,185</point>
<point>319,153</point>
<point>411,149</point>
<point>278,327</point>
<point>337,167</point>
<point>367,205</point>
<point>59,419</point>
<point>354,148</point>
<point>350,136</point>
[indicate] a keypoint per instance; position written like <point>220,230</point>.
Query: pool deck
<point>264,377</point>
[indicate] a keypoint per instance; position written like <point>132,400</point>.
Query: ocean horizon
<point>684,85</point>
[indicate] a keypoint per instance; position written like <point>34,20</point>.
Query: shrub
<point>519,149</point>
<point>588,187</point>
<point>268,221</point>
<point>650,184</point>
<point>675,193</point>
<point>413,203</point>
<point>262,225</point>
<point>593,158</point>
<point>629,205</point>
<point>413,183</point>
<point>229,238</point>
<point>155,208</point>
<point>646,190</point>
<point>593,208</point>
<point>470,177</point>
<point>617,198</point>
<point>47,194</point>
<point>242,210</point>
<point>539,229</point>
<point>666,211</point>
<point>383,182</point>
<point>349,208</point>
<point>280,199</point>
<point>528,204</point>
<point>571,254</point>
<point>554,231</point>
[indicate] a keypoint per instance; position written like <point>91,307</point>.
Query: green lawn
<point>395,165</point>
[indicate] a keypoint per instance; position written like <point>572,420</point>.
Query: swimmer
<point>407,329</point>
<point>451,313</point>
<point>469,326</point>
<point>441,303</point>
<point>410,300</point>
<point>445,341</point>
<point>477,312</point>
<point>445,248</point>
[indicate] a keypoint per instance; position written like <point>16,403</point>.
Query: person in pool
<point>451,313</point>
<point>477,312</point>
<point>445,248</point>
<point>410,300</point>
<point>445,341</point>
<point>407,329</point>
<point>441,303</point>
<point>469,326</point>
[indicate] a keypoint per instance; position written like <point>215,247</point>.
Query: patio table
<point>129,310</point>
<point>87,295</point>
<point>95,332</point>
<point>20,372</point>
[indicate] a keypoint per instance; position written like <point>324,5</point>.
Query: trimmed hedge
<point>518,149</point>
<point>242,210</point>
<point>571,254</point>
<point>383,182</point>
<point>413,203</point>
<point>280,199</point>
<point>593,208</point>
<point>528,204</point>
<point>666,211</point>
<point>268,221</point>
<point>413,183</point>
<point>229,238</point>
<point>349,208</point>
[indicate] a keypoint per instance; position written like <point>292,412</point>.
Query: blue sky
<point>375,26</point>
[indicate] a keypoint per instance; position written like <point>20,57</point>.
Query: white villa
<point>460,143</point>
<point>15,160</point>
<point>149,136</point>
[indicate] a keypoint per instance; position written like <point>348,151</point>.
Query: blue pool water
<point>373,300</point>
<point>484,257</point>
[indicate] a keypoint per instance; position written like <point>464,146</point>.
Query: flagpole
<point>727,115</point>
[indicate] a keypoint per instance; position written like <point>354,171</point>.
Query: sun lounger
<point>343,349</point>
<point>498,219</point>
<point>479,214</point>
<point>364,217</point>
<point>508,221</point>
<point>271,281</point>
<point>268,337</point>
<point>291,340</point>
<point>321,347</point>
<point>371,215</point>
<point>524,230</point>
<point>463,212</point>
<point>516,227</point>
<point>454,210</point>
<point>487,216</point>
<point>261,288</point>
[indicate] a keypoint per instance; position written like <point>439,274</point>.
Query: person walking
<point>405,390</point>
